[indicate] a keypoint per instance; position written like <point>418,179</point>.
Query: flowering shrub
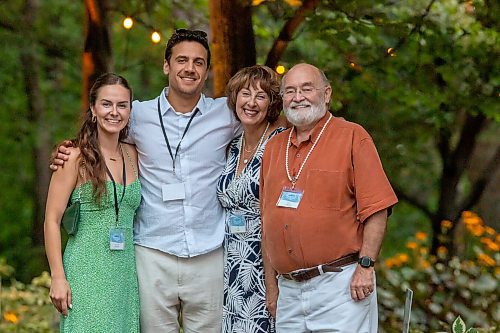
<point>467,287</point>
<point>26,308</point>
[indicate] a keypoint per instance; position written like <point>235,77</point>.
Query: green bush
<point>444,288</point>
<point>445,291</point>
<point>26,307</point>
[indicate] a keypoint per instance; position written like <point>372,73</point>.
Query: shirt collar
<point>166,107</point>
<point>314,133</point>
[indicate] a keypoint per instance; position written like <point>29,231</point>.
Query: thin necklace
<point>242,141</point>
<point>120,152</point>
<point>251,149</point>
<point>294,180</point>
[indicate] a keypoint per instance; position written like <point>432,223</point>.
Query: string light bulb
<point>155,37</point>
<point>128,22</point>
<point>280,69</point>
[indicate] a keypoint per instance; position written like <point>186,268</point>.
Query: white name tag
<point>173,192</point>
<point>116,239</point>
<point>290,198</point>
<point>237,223</point>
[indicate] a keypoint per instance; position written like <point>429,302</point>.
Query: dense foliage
<point>415,73</point>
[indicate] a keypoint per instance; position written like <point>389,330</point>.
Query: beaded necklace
<point>294,180</point>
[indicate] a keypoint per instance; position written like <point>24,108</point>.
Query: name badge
<point>173,192</point>
<point>116,239</point>
<point>237,223</point>
<point>290,198</point>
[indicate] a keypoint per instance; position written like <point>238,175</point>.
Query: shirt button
<point>286,226</point>
<point>298,155</point>
<point>289,250</point>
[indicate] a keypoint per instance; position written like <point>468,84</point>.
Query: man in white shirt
<point>181,138</point>
<point>180,224</point>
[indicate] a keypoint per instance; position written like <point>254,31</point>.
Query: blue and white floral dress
<point>244,308</point>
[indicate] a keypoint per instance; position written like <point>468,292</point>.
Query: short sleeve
<point>372,188</point>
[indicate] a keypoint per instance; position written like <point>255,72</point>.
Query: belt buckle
<point>298,275</point>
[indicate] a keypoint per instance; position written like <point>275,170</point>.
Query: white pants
<point>171,288</point>
<point>324,304</point>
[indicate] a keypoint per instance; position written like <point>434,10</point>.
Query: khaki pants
<point>170,286</point>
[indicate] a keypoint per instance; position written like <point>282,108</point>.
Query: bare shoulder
<point>74,154</point>
<point>72,162</point>
<point>68,173</point>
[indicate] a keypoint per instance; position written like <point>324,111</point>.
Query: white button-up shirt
<point>193,225</point>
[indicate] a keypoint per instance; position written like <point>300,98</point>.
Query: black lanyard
<point>166,138</point>
<point>124,176</point>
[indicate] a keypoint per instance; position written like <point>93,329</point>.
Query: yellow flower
<point>476,230</point>
<point>411,245</point>
<point>424,264</point>
<point>446,224</point>
<point>389,262</point>
<point>471,218</point>
<point>442,251</point>
<point>490,231</point>
<point>393,262</point>
<point>493,246</point>
<point>421,236</point>
<point>257,2</point>
<point>467,214</point>
<point>294,3</point>
<point>11,317</point>
<point>403,258</point>
<point>486,260</point>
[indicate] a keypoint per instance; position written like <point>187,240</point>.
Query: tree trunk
<point>455,164</point>
<point>97,47</point>
<point>233,41</point>
<point>37,119</point>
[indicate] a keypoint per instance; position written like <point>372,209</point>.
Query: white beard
<point>300,117</point>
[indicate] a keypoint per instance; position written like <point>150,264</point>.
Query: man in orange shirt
<point>325,200</point>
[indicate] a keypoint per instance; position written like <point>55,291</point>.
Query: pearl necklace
<point>241,144</point>
<point>294,180</point>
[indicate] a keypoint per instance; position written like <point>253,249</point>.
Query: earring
<point>94,118</point>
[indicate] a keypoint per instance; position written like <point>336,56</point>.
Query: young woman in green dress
<point>94,285</point>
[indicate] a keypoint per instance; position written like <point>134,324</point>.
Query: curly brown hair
<point>92,165</point>
<point>251,76</point>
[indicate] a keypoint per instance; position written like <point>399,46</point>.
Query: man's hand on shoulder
<point>60,155</point>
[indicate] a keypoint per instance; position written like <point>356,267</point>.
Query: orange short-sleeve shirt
<point>343,183</point>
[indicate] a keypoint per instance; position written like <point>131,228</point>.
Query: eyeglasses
<point>191,33</point>
<point>306,91</point>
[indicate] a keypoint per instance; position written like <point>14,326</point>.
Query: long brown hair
<point>92,165</point>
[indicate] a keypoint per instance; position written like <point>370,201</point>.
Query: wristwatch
<point>366,262</point>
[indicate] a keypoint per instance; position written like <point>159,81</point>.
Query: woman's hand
<point>60,295</point>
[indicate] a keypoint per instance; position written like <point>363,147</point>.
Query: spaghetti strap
<point>131,163</point>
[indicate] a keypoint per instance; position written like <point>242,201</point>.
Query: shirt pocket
<point>326,188</point>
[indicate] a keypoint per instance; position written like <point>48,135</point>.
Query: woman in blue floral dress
<point>253,95</point>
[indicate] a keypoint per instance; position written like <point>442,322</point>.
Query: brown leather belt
<point>301,275</point>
